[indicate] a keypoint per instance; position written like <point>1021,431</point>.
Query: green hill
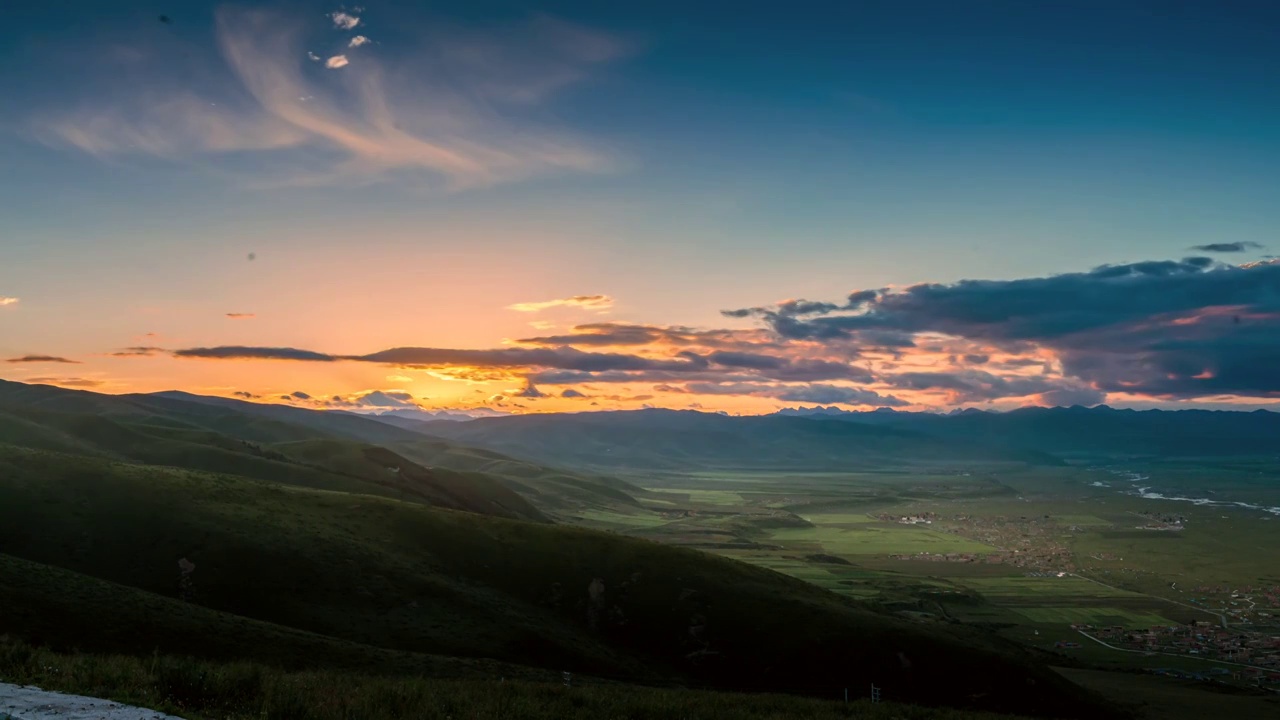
<point>404,577</point>
<point>334,451</point>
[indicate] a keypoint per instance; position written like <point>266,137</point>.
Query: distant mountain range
<point>827,438</point>
<point>1080,432</point>
<point>681,440</point>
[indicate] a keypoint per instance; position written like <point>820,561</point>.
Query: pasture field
<point>876,539</point>
<point>1039,588</point>
<point>1091,616</point>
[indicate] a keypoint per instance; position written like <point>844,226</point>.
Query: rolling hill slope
<point>404,577</point>
<point>335,451</point>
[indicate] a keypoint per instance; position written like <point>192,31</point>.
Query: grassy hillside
<point>408,578</point>
<point>249,691</point>
<point>324,464</point>
<point>687,440</point>
<point>66,611</point>
<point>295,446</point>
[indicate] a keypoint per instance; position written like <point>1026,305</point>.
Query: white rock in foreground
<point>32,703</point>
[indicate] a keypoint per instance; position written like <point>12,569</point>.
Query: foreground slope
<point>409,578</point>
<point>688,440</point>
<point>201,690</point>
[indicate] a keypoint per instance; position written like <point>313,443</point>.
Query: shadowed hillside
<point>409,578</point>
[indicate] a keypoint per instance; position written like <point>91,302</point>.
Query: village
<point>1024,542</point>
<point>1254,657</point>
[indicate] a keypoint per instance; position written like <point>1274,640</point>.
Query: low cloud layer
<point>42,359</point>
<point>73,382</point>
<point>1169,329</point>
<point>1158,330</point>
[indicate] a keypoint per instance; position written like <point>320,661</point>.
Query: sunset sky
<point>593,206</point>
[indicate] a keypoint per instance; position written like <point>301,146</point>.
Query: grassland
<point>202,690</point>
<point>1158,698</point>
<point>1091,616</point>
<point>358,572</point>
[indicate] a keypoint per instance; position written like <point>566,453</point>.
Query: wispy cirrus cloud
<point>241,316</point>
<point>586,302</point>
<point>42,359</point>
<point>447,123</point>
<point>6,301</point>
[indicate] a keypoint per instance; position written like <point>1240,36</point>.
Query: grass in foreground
<point>240,691</point>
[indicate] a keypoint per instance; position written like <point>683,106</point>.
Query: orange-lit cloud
<point>586,302</point>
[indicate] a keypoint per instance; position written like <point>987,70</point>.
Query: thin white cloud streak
<point>363,129</point>
<point>5,301</point>
<point>588,302</point>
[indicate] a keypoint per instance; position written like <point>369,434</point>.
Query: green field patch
<point>876,539</point>
<point>1091,616</point>
<point>1006,588</point>
<point>837,519</point>
<point>605,518</point>
<point>707,497</point>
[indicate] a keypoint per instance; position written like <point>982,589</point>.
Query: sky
<point>917,204</point>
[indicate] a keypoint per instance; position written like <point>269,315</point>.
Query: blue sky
<point>681,158</point>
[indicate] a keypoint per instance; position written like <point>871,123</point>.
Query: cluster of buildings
<point>1255,655</point>
<point>1247,604</point>
<point>925,518</point>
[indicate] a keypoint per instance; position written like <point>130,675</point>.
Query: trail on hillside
<point>31,703</point>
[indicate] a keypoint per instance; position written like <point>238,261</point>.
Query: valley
<point>216,531</point>
<point>1048,558</point>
